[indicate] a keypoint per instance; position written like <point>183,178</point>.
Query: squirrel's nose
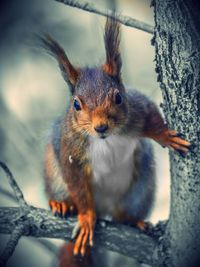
<point>101,128</point>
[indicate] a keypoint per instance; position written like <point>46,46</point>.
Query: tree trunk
<point>177,42</point>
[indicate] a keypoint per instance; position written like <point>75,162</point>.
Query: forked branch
<point>12,243</point>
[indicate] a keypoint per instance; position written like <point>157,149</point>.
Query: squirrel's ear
<point>70,74</point>
<point>112,40</point>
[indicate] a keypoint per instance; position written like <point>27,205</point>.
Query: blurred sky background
<point>33,92</point>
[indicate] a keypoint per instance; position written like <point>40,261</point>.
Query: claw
<point>180,141</point>
<point>179,135</point>
<point>84,228</point>
<point>179,148</point>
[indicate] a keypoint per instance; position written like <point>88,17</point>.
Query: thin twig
<point>12,243</point>
<point>14,185</point>
<point>128,21</point>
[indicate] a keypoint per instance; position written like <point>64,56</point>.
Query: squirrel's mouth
<point>102,135</point>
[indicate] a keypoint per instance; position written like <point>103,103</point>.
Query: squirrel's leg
<point>56,189</point>
<point>156,129</point>
<point>79,185</point>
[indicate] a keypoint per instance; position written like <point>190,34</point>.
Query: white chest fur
<point>112,166</point>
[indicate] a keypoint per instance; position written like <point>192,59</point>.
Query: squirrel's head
<point>99,104</point>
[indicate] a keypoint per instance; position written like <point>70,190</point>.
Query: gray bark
<point>37,222</point>
<point>177,42</point>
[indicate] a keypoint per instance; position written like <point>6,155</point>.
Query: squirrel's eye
<point>77,105</point>
<point>118,99</point>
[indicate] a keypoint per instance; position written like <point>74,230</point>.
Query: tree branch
<point>14,185</point>
<point>116,237</point>
<point>128,21</point>
<point>12,243</point>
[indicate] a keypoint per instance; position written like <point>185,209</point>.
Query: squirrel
<point>98,159</point>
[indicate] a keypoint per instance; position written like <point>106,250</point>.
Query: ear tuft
<point>112,40</point>
<point>70,74</point>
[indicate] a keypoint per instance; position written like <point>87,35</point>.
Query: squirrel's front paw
<point>84,228</point>
<point>171,139</point>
